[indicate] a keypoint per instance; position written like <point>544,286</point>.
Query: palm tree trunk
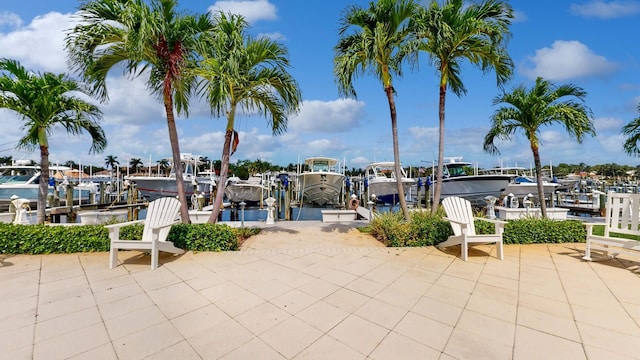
<point>222,179</point>
<point>538,165</point>
<point>396,152</point>
<point>438,189</point>
<point>175,151</point>
<point>43,186</point>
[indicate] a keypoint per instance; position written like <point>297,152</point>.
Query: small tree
<point>529,111</point>
<point>45,102</point>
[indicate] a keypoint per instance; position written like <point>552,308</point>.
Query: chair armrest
<point>114,229</point>
<point>494,221</point>
<point>589,227</point>
<point>454,221</point>
<point>165,225</point>
<point>119,225</point>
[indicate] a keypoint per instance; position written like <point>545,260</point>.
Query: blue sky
<point>583,42</point>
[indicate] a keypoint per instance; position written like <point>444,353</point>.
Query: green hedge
<point>43,239</point>
<point>426,229</point>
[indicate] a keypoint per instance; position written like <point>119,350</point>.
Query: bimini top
<point>320,163</point>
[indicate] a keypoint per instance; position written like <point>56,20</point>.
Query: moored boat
<point>154,187</point>
<point>456,182</point>
<point>251,191</point>
<point>322,183</point>
<point>381,181</point>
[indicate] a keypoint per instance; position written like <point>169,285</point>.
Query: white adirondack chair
<point>460,216</point>
<point>161,215</point>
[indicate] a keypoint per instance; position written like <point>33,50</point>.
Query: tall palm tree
<point>632,131</point>
<point>454,32</point>
<point>375,40</point>
<point>44,102</point>
<point>111,162</point>
<point>251,73</point>
<point>147,38</point>
<point>530,110</point>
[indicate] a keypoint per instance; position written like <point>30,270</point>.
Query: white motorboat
<point>322,183</point>
<point>251,191</point>
<point>154,187</point>
<point>522,185</point>
<point>380,180</point>
<point>456,182</point>
<point>23,181</point>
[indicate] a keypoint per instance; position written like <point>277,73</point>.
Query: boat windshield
<point>456,171</point>
<point>320,165</point>
<point>16,175</point>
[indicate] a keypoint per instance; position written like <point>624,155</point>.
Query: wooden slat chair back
<point>460,216</point>
<point>622,217</point>
<point>161,215</point>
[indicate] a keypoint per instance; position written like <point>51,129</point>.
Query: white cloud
<point>606,9</point>
<point>10,19</point>
<point>39,45</point>
<point>519,16</point>
<point>567,60</point>
<point>608,124</point>
<point>131,102</point>
<point>328,116</point>
<point>252,10</point>
<point>360,160</point>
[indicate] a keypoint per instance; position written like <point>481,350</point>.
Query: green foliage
<point>543,231</point>
<point>426,229</point>
<point>244,233</point>
<point>43,239</point>
<point>204,237</point>
<point>484,227</point>
<point>390,229</point>
<point>599,230</point>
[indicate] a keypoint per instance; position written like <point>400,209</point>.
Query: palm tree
<point>164,166</point>
<point>632,131</point>
<point>135,164</point>
<point>250,73</point>
<point>44,102</point>
<point>376,40</point>
<point>111,162</point>
<point>146,37</point>
<point>529,110</point>
<point>457,31</point>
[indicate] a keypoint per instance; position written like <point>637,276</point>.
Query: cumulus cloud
<point>605,9</point>
<point>252,10</point>
<point>39,45</point>
<point>566,60</point>
<point>608,124</point>
<point>10,19</point>
<point>328,116</point>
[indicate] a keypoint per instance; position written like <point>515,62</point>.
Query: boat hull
<point>321,187</point>
<point>152,188</point>
<point>386,190</point>
<point>251,194</point>
<point>475,188</point>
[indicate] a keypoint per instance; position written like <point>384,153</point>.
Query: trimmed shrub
<point>543,231</point>
<point>43,239</point>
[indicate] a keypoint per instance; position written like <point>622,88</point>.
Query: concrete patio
<point>307,290</point>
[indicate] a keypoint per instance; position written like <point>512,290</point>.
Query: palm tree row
<point>182,55</point>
